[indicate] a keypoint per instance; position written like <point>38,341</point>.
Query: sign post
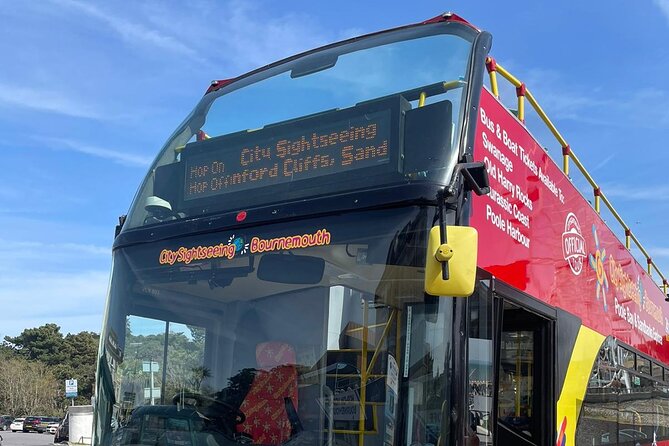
<point>71,389</point>
<point>151,392</point>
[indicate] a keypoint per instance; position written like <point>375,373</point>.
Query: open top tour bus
<point>361,246</point>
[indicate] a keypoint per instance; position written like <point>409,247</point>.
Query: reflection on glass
<point>210,353</point>
<point>516,380</point>
<point>620,406</point>
<point>356,123</point>
<point>481,365</point>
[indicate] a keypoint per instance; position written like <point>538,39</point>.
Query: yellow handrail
<point>568,154</point>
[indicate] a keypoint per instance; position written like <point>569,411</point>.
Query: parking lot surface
<point>26,439</point>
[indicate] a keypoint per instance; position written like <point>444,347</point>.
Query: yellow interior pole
<point>421,99</point>
<point>363,377</point>
<point>386,330</point>
<point>518,380</point>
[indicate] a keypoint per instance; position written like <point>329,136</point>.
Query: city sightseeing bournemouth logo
<point>238,245</point>
<point>573,244</point>
<point>597,262</point>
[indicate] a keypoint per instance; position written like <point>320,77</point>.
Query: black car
<point>5,422</point>
<point>33,424</point>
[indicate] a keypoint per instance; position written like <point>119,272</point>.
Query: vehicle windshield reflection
<point>196,359</point>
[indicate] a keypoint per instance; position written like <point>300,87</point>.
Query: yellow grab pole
<point>363,377</point>
<point>508,76</point>
<point>640,246</point>
<point>421,99</point>
<point>619,218</point>
<point>544,117</point>
<point>566,151</point>
<point>520,92</point>
<point>585,173</point>
<point>491,66</point>
<point>381,340</point>
<point>454,84</point>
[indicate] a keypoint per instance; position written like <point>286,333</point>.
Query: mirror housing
<point>460,253</point>
<point>475,175</point>
<point>291,269</point>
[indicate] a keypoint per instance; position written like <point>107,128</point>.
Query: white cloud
<point>658,193</point>
<point>33,249</point>
<point>603,163</point>
<point>664,7</point>
<point>52,282</point>
<point>565,99</point>
<point>659,252</point>
<point>46,100</point>
<point>262,41</point>
<point>252,35</point>
<point>132,31</point>
<point>32,299</point>
<point>128,159</point>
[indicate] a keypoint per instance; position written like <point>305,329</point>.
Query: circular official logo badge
<point>573,244</point>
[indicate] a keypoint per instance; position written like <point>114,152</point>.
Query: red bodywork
<point>549,242</point>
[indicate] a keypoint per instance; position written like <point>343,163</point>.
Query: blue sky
<point>89,91</point>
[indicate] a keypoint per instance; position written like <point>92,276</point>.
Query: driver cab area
<point>272,377</point>
<point>332,343</point>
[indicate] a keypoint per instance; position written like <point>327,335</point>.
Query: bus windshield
<point>315,331</point>
<point>376,111</point>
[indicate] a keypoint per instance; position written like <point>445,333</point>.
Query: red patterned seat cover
<point>265,408</point>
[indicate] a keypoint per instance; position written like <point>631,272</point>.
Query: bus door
<point>524,399</point>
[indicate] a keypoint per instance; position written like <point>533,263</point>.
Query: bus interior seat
<point>271,403</point>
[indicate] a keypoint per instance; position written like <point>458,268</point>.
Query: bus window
<point>480,371</point>
<point>628,408</point>
<point>626,358</point>
<point>161,359</point>
<point>525,378</point>
<point>429,353</point>
<point>643,365</point>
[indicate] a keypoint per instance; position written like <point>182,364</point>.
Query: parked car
<point>5,422</point>
<point>63,431</point>
<point>32,424</point>
<point>52,427</point>
<point>17,424</point>
<point>44,423</point>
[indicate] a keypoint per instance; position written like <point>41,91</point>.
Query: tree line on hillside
<point>35,364</point>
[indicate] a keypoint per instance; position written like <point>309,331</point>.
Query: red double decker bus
<point>361,245</point>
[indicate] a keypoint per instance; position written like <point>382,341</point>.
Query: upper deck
<point>379,112</point>
<point>549,241</point>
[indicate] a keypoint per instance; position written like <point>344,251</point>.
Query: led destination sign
<point>336,143</point>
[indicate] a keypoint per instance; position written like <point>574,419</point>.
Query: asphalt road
<point>26,439</point>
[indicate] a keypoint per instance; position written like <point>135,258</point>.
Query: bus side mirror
<point>460,254</point>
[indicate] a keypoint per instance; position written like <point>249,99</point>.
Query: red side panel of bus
<point>538,233</point>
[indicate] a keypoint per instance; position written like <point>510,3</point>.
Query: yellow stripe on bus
<point>588,343</point>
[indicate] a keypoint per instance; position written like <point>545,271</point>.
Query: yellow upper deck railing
<point>568,154</point>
